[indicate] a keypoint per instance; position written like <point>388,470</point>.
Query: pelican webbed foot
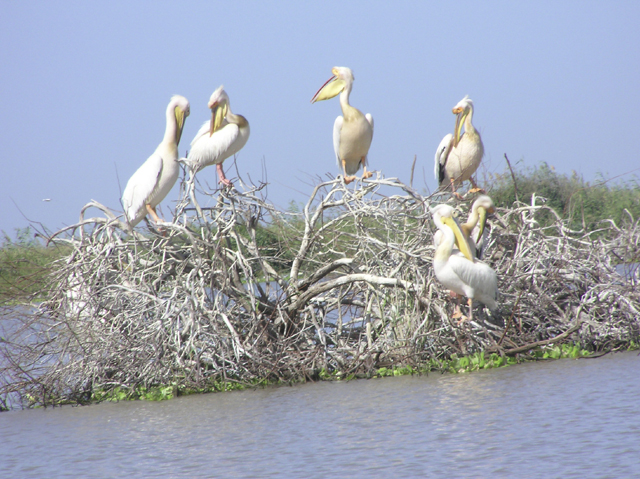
<point>348,179</point>
<point>475,188</point>
<point>159,227</point>
<point>221,175</point>
<point>457,313</point>
<point>458,316</point>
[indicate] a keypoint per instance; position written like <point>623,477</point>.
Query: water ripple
<point>562,418</point>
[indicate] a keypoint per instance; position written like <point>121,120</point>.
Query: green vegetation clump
<point>480,360</point>
<point>25,264</point>
<point>584,205</point>
<point>162,393</point>
<point>454,365</point>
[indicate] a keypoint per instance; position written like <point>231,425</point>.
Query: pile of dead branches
<point>240,291</point>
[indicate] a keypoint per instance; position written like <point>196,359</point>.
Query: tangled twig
<point>240,291</point>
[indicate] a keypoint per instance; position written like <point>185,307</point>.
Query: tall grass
<point>24,265</point>
<point>583,204</point>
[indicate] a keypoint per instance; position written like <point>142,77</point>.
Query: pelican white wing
<point>337,128</point>
<point>141,188</point>
<point>479,280</point>
<point>441,157</point>
<point>211,150</point>
<point>370,120</point>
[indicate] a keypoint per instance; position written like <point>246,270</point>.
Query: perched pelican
<point>461,274</point>
<point>219,138</point>
<point>458,156</point>
<point>353,132</point>
<point>474,229</point>
<point>474,232</point>
<point>154,179</point>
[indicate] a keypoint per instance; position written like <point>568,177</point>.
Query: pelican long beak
<point>461,242</point>
<point>332,87</point>
<point>459,123</point>
<point>218,113</point>
<point>482,220</point>
<point>180,123</point>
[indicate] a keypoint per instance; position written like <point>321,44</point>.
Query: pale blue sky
<point>85,86</point>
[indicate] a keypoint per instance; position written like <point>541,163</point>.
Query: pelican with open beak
<point>459,154</point>
<point>352,131</point>
<point>461,273</point>
<point>219,138</point>
<point>151,183</point>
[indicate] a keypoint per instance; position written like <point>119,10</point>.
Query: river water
<point>566,418</point>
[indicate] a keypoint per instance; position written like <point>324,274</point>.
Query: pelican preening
<point>352,132</point>
<point>149,185</point>
<point>462,274</point>
<point>459,154</point>
<point>474,230</point>
<point>219,138</point>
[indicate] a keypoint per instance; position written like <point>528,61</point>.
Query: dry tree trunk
<point>240,291</point>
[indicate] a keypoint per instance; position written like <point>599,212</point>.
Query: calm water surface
<point>553,419</point>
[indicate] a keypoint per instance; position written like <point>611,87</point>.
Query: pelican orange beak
<point>461,242</point>
<point>332,87</point>
<point>218,114</point>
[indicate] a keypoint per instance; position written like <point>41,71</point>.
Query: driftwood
<point>240,291</point>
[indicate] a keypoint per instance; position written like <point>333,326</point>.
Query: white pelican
<point>458,156</point>
<point>474,232</point>
<point>461,274</point>
<point>154,179</point>
<point>474,229</point>
<point>353,132</point>
<point>219,138</point>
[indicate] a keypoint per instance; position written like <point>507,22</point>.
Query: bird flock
<point>458,247</point>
